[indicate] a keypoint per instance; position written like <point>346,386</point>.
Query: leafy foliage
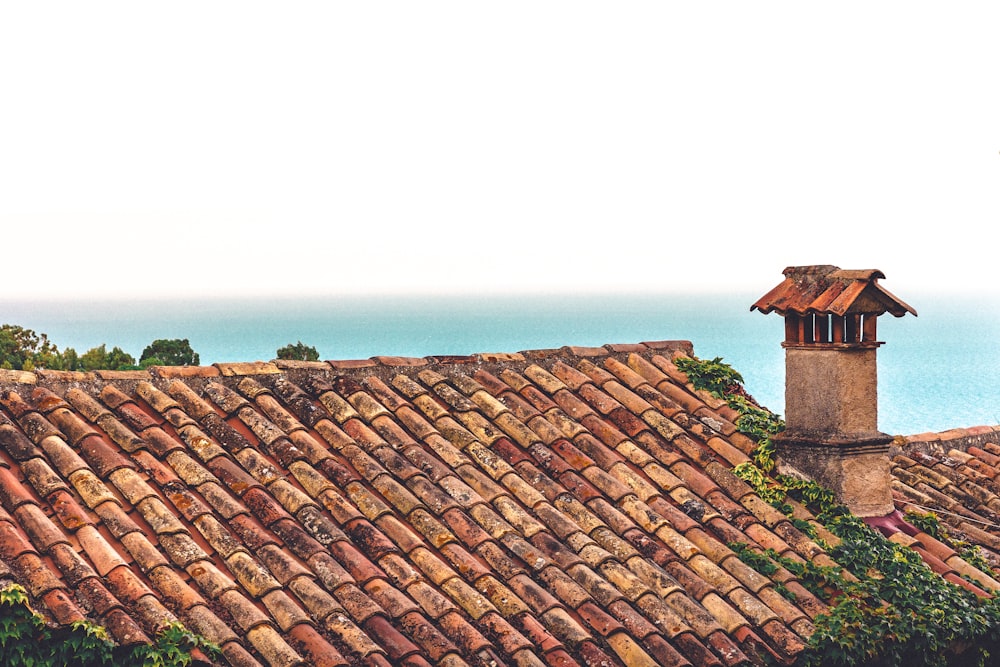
<point>27,641</point>
<point>722,381</point>
<point>892,610</point>
<point>927,522</point>
<point>887,607</point>
<point>715,376</point>
<point>99,358</point>
<point>169,352</point>
<point>298,352</point>
<point>23,349</point>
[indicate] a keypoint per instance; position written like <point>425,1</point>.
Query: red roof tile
<point>829,289</point>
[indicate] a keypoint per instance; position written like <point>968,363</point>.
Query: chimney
<point>831,384</point>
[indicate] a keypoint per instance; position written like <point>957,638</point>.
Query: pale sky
<point>178,148</point>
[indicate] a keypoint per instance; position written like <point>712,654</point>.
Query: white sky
<point>231,147</point>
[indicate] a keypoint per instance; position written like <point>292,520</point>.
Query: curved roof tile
<point>827,289</point>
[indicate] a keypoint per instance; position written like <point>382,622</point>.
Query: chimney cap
<point>827,289</point>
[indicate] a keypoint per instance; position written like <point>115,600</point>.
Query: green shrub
<point>298,352</point>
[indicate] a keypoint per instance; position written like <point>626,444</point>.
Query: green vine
<point>722,381</point>
<point>27,640</point>
<point>892,609</point>
<point>715,376</point>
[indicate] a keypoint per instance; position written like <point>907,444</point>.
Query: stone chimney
<point>831,383</point>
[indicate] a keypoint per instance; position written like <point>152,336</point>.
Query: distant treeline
<point>23,349</point>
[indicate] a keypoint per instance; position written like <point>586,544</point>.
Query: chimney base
<point>856,471</point>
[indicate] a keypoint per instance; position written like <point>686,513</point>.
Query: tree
<point>94,358</point>
<point>20,348</point>
<point>298,352</point>
<point>119,359</point>
<point>169,352</point>
<point>98,358</point>
<point>70,360</point>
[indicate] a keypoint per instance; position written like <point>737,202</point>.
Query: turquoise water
<point>938,371</point>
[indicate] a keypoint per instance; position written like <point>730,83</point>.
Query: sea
<point>937,371</point>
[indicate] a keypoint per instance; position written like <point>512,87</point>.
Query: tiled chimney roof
<point>826,289</point>
<point>573,506</point>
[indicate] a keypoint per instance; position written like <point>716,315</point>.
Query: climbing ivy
<point>722,381</point>
<point>26,640</point>
<point>715,376</point>
<point>886,606</point>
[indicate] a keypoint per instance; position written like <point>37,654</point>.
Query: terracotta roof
<point>826,289</point>
<point>956,476</point>
<point>572,506</point>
